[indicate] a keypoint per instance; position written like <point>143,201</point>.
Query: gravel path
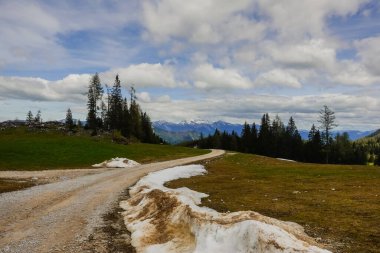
<point>60,217</point>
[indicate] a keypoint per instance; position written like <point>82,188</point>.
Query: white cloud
<point>353,73</point>
<point>277,77</point>
<point>207,76</point>
<point>369,51</point>
<point>198,21</point>
<point>294,19</point>
<point>32,31</point>
<point>74,86</point>
<point>71,88</point>
<point>310,54</point>
<point>143,75</point>
<point>144,97</point>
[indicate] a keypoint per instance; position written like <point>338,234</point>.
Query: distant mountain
<point>177,137</point>
<point>374,134</point>
<point>186,130</point>
<point>353,134</point>
<point>203,127</point>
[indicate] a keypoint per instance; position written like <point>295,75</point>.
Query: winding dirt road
<point>60,217</point>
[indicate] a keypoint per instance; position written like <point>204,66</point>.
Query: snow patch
<point>167,220</point>
<point>116,163</point>
<point>286,160</point>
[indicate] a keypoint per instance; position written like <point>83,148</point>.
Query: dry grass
<point>339,205</point>
<point>8,185</point>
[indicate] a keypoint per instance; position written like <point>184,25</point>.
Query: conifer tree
<point>69,123</point>
<point>327,121</point>
<point>246,138</point>
<point>313,151</point>
<point>277,132</point>
<point>29,118</point>
<point>116,106</point>
<point>264,138</point>
<point>135,114</point>
<point>126,120</point>
<point>94,95</point>
<point>148,135</point>
<point>38,119</point>
<point>254,138</point>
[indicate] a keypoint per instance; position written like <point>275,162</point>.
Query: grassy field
<point>23,150</point>
<point>338,204</point>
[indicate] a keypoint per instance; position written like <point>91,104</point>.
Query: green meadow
<point>21,149</point>
<point>337,204</point>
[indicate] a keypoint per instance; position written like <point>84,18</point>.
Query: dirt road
<point>59,217</point>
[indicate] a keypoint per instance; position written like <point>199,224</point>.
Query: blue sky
<point>201,59</point>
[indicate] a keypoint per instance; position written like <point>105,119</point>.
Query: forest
<point>274,139</point>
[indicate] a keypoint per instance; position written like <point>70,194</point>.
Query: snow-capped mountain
<point>199,126</point>
<point>166,129</point>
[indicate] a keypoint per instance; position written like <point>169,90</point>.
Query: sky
<point>201,59</point>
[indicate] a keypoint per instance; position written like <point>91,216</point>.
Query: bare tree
<point>327,121</point>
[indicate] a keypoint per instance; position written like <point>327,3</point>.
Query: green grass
<point>24,150</point>
<point>340,204</point>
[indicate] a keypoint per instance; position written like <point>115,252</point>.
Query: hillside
<point>22,149</point>
<point>375,134</point>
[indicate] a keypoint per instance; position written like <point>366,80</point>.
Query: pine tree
<point>264,138</point>
<point>29,118</point>
<point>216,139</point>
<point>104,116</point>
<point>116,106</point>
<point>69,120</point>
<point>246,138</point>
<point>126,120</point>
<point>135,113</point>
<point>292,141</point>
<point>94,95</point>
<point>254,138</point>
<point>277,132</point>
<point>148,135</point>
<point>327,121</point>
<point>38,119</point>
<point>313,152</point>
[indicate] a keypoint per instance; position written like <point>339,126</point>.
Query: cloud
<point>207,76</point>
<point>144,97</point>
<point>38,34</point>
<point>352,111</point>
<point>310,54</point>
<point>353,73</point>
<point>277,77</point>
<point>74,87</point>
<point>369,51</point>
<point>143,75</point>
<point>294,20</point>
<point>71,88</point>
<point>199,21</point>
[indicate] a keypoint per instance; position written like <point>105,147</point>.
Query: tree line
<point>111,112</point>
<point>274,139</point>
<point>108,112</point>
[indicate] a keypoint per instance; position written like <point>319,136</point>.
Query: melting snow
<point>170,220</point>
<point>117,163</point>
<point>286,160</point>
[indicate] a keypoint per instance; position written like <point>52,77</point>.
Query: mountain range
<point>191,130</point>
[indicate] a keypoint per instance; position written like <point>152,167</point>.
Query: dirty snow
<point>116,163</point>
<point>169,220</point>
